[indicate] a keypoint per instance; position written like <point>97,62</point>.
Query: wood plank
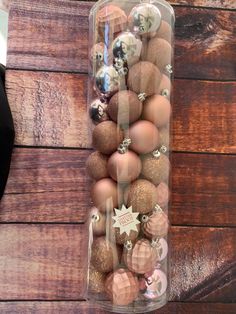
<point>42,262</point>
<point>55,37</point>
<point>51,186</point>
<point>46,262</point>
<point>75,307</point>
<point>222,4</point>
<point>49,109</point>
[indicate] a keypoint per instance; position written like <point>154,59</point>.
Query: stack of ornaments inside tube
<point>131,61</point>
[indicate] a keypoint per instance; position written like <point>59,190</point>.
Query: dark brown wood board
<point>55,37</point>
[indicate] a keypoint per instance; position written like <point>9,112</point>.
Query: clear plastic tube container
<point>129,104</point>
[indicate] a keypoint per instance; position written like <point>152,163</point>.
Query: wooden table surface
<point>42,232</point>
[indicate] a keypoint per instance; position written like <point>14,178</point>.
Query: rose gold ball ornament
<point>107,80</point>
<point>127,47</point>
<point>98,221</point>
<point>125,107</point>
<point>105,255</point>
<point>159,52</point>
<point>124,168</point>
<point>156,167</point>
<point>144,137</point>
<point>99,55</point>
<point>165,86</point>
<point>144,78</point>
<point>164,135</point>
<point>165,31</point>
<point>157,109</point>
<point>104,195</point>
<point>154,284</point>
<point>106,137</point>
<point>96,166</point>
<point>141,258</point>
<point>141,195</point>
<point>96,281</point>
<point>163,195</point>
<point>110,21</point>
<point>122,287</point>
<point>156,225</point>
<point>98,111</point>
<point>144,19</point>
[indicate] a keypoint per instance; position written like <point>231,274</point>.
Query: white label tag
<point>126,220</point>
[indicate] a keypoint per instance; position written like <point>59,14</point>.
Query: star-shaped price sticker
<point>126,220</point>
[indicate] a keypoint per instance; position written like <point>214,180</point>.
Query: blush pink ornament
<point>163,195</point>
<point>156,225</point>
<point>122,287</point>
<point>142,257</point>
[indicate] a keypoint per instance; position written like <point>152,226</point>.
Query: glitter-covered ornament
<point>144,19</point>
<point>155,225</point>
<point>157,109</point>
<point>98,221</point>
<point>105,255</point>
<point>141,258</point>
<point>156,169</point>
<point>98,111</point>
<point>105,195</point>
<point>141,195</point>
<point>144,77</point>
<point>107,80</point>
<point>163,195</point>
<point>125,107</point>
<point>110,20</point>
<point>124,168</point>
<point>153,284</point>
<point>96,281</point>
<point>144,137</point>
<point>122,287</point>
<point>96,166</point>
<point>127,47</point>
<point>107,136</point>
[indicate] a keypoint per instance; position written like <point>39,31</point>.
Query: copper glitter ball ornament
<point>142,258</point>
<point>96,281</point>
<point>157,109</point>
<point>127,47</point>
<point>125,107</point>
<point>165,87</point>
<point>110,20</point>
<point>144,137</point>
<point>159,52</point>
<point>156,225</point>
<point>165,31</point>
<point>124,168</point>
<point>144,19</point>
<point>144,77</point>
<point>98,221</point>
<point>105,195</point>
<point>107,80</point>
<point>105,255</point>
<point>122,238</point>
<point>163,194</point>
<point>122,287</point>
<point>141,195</point>
<point>106,137</point>
<point>96,166</point>
<point>156,169</point>
<point>98,111</point>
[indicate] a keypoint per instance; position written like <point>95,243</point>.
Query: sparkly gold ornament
<point>141,195</point>
<point>96,281</point>
<point>122,287</point>
<point>142,258</point>
<point>156,169</point>
<point>98,221</point>
<point>96,166</point>
<point>155,225</point>
<point>105,255</point>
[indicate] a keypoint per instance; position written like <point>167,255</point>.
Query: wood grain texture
<point>49,109</point>
<point>51,186</point>
<point>42,261</point>
<point>53,36</point>
<point>222,4</point>
<point>47,262</point>
<point>73,307</point>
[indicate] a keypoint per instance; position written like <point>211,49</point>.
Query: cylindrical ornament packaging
<point>129,170</point>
